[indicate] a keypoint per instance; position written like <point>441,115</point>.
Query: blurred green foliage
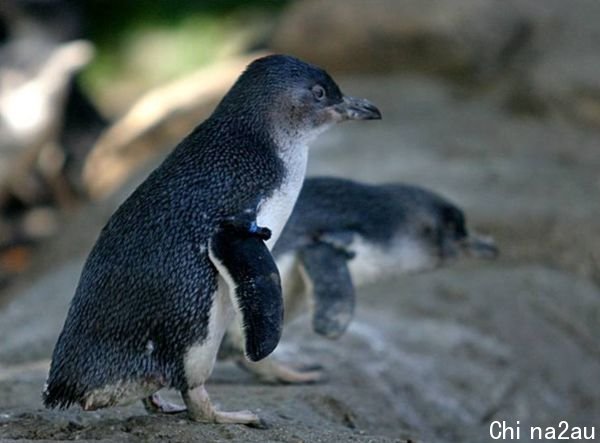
<point>141,44</point>
<point>109,20</point>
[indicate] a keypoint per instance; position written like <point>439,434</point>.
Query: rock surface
<point>542,55</point>
<point>430,357</point>
<point>429,35</point>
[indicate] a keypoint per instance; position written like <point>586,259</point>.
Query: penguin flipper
<point>246,264</point>
<point>327,267</point>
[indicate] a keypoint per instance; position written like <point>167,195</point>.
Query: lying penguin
<point>343,234</point>
<point>191,247</point>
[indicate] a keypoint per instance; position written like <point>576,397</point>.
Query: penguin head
<point>440,229</point>
<point>293,100</point>
<point>430,231</point>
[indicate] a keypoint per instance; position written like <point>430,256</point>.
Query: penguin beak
<point>353,108</point>
<point>480,246</point>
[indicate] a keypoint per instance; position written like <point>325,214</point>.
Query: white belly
<point>373,262</point>
<point>274,212</point>
<point>200,358</point>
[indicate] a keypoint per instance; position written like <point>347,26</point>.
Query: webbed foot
<point>271,371</point>
<point>155,404</point>
<point>201,409</point>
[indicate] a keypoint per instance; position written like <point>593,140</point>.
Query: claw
<point>155,404</point>
<point>201,409</point>
<point>272,371</point>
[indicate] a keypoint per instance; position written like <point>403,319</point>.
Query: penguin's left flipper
<point>326,265</point>
<point>240,255</point>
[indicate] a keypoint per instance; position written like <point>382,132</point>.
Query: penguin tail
<point>60,394</point>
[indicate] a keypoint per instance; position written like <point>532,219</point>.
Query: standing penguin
<point>344,234</point>
<point>191,246</point>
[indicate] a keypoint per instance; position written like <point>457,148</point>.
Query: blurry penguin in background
<point>343,234</point>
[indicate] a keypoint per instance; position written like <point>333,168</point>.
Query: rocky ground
<point>433,357</point>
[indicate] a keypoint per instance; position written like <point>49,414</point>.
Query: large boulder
<point>458,37</point>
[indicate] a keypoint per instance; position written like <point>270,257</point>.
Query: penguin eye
<point>318,92</point>
<point>427,231</point>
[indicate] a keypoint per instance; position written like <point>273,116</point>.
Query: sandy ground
<point>433,357</point>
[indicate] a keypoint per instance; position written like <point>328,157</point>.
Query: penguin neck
<point>274,211</point>
<point>265,125</point>
<point>292,150</point>
<point>288,136</point>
